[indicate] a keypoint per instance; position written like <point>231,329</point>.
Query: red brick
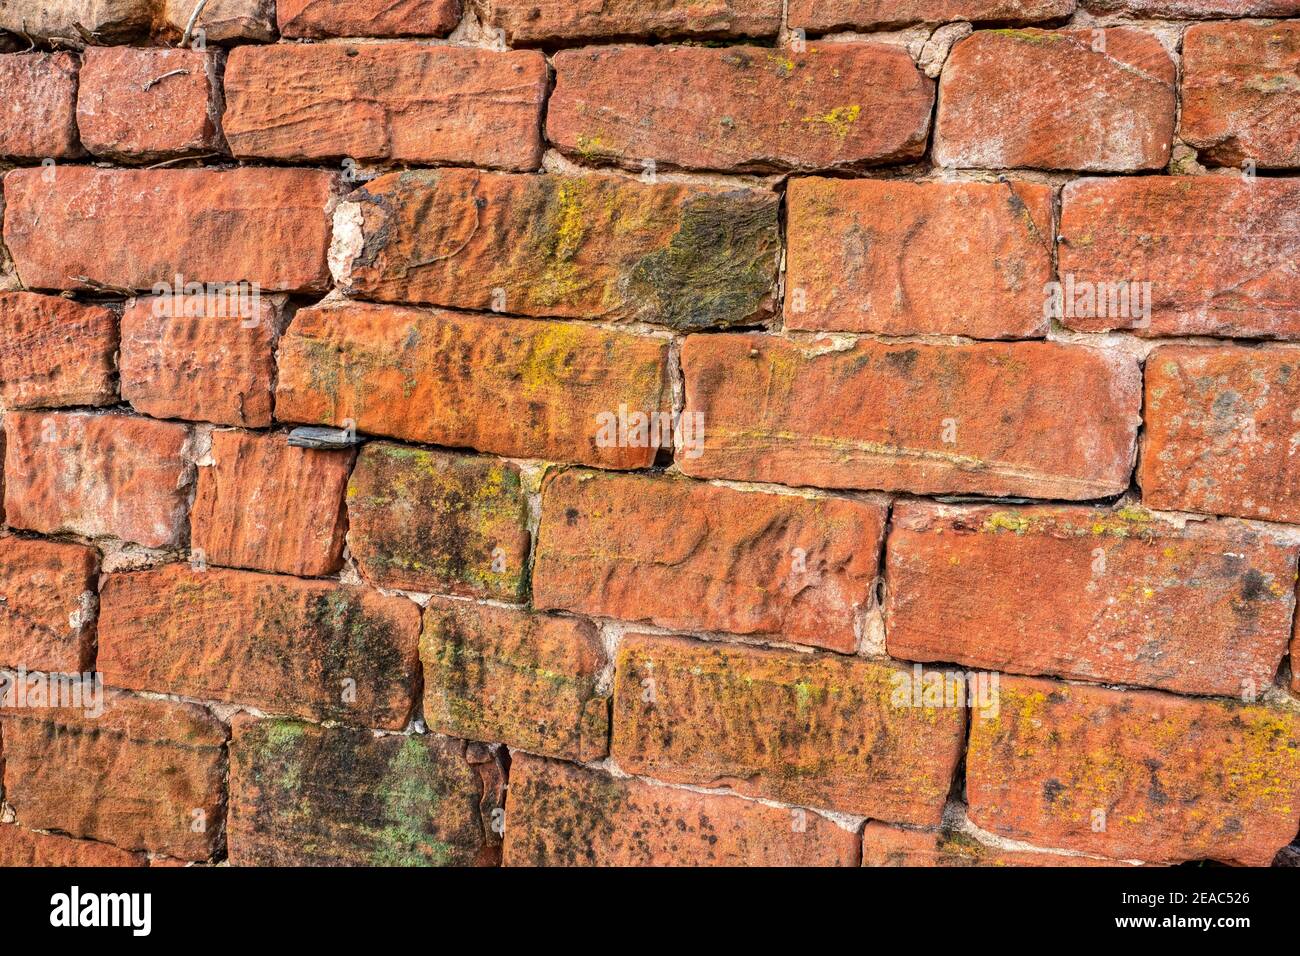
<point>827,15</point>
<point>1196,8</point>
<point>97,475</point>
<point>505,386</point>
<point>317,19</point>
<point>1135,774</point>
<point>885,845</point>
<point>1053,100</point>
<point>1219,435</point>
<point>47,605</point>
<point>27,848</point>
<point>221,21</point>
<point>136,105</point>
<point>506,674</point>
<point>582,247</point>
<point>740,108</point>
<point>536,21</point>
<point>903,258</point>
<point>302,795</point>
<point>308,648</point>
<point>1219,252</point>
<point>270,506</point>
<point>814,729</point>
<point>54,351</point>
<point>431,521</point>
<point>1117,597</point>
<point>203,358</point>
<point>1035,419</point>
<point>39,92</point>
<point>562,815</point>
<point>143,775</point>
<point>1241,93</point>
<point>785,567</point>
<point>404,102</point>
<point>109,21</point>
<point>265,226</point>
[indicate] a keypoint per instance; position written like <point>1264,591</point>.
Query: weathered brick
<point>814,729</point>
<point>405,102</point>
<point>593,247</point>
<point>826,15</point>
<point>317,19</point>
<point>1136,774</point>
<point>740,108</point>
<point>902,258</point>
<point>302,795</point>
<point>434,521</point>
<point>1219,434</point>
<point>307,648</point>
<point>27,848</point>
<point>786,567</point>
<point>97,475</point>
<point>1081,99</point>
<point>86,228</point>
<point>885,845</point>
<point>504,674</point>
<point>203,358</point>
<point>536,21</point>
<point>143,105</point>
<point>54,351</point>
<point>1035,419</point>
<point>107,21</point>
<point>562,815</point>
<point>512,387</point>
<point>1218,252</point>
<point>1196,8</point>
<point>47,605</point>
<point>39,92</point>
<point>1118,597</point>
<point>221,21</point>
<point>142,775</point>
<point>1241,93</point>
<point>264,504</point>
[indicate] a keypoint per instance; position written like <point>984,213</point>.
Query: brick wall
<point>728,431</point>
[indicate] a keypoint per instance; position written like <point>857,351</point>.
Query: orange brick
<point>26,848</point>
<point>740,108</point>
<point>1036,419</point>
<point>903,258</point>
<point>48,595</point>
<point>538,21</point>
<point>280,216</point>
<point>1118,597</point>
<point>40,95</point>
<point>826,15</point>
<point>562,815</point>
<point>317,19</point>
<point>144,105</point>
<point>504,674</point>
<point>403,102</point>
<point>693,556</point>
<point>813,729</point>
<point>580,247</point>
<point>203,358</point>
<point>1219,431</point>
<point>308,648</point>
<point>267,505</point>
<point>97,475</point>
<point>498,385</point>
<point>1135,774</point>
<point>54,351</point>
<point>142,775</point>
<point>1064,89</point>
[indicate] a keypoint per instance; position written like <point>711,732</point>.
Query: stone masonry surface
<point>624,433</point>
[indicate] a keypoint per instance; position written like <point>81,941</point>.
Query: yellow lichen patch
<point>838,121</point>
